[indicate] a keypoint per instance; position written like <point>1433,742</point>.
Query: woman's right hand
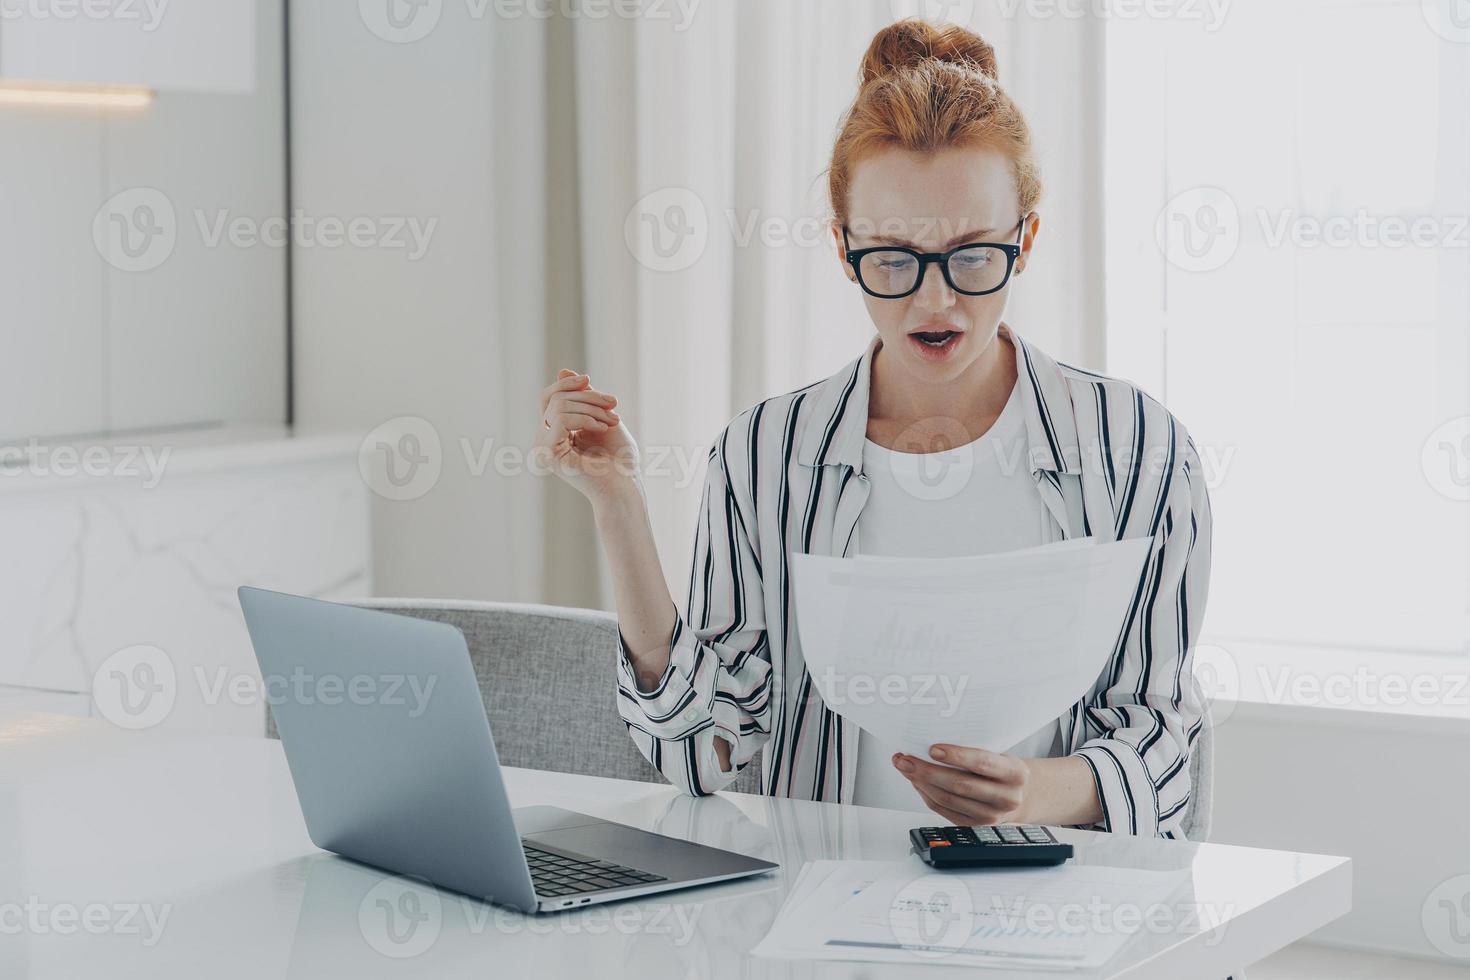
<point>581,438</point>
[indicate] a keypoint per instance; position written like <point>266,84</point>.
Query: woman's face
<point>934,202</point>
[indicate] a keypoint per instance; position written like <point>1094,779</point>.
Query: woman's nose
<point>934,294</point>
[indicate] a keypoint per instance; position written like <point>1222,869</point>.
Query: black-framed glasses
<point>893,272</point>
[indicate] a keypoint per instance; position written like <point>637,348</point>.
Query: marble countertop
<point>144,458</point>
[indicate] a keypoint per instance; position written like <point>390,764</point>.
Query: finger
<point>588,395</point>
<point>572,421</point>
<point>947,777</point>
<point>970,812</point>
<point>961,783</point>
<point>993,765</point>
<point>958,819</point>
<point>564,407</point>
<point>565,381</point>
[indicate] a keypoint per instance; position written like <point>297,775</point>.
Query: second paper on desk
<point>979,651</point>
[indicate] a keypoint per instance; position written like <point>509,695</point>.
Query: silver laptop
<point>391,754</point>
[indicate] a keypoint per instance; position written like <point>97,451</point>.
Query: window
<point>1288,267</point>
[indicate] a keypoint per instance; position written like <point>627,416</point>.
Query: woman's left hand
<point>969,787</point>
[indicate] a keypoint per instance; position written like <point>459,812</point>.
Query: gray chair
<point>1197,818</point>
<point>546,676</point>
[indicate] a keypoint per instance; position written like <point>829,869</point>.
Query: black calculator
<point>1008,846</point>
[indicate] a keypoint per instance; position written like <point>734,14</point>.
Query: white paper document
<point>1071,917</point>
<point>978,651</point>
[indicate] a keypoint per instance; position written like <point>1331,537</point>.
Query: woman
<point>933,190</point>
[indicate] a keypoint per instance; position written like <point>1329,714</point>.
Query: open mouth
<point>936,343</point>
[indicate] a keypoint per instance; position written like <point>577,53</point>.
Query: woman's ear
<point>841,251</point>
<point>1030,226</point>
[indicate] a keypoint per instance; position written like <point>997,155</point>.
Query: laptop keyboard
<point>555,874</point>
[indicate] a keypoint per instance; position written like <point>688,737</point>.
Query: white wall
<point>413,131</point>
<point>175,45</point>
<point>197,337</point>
<point>1390,792</point>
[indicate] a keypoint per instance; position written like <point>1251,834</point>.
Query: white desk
<point>101,828</point>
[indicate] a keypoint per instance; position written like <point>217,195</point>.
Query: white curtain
<point>709,125</point>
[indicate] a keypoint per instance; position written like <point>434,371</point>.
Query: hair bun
<point>909,43</point>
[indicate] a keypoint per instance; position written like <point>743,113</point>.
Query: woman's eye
<point>971,260</point>
<point>894,265</point>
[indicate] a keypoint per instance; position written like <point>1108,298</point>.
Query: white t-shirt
<point>975,499</point>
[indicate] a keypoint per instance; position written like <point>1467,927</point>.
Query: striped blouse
<point>786,477</point>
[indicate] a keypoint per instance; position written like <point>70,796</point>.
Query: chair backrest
<point>1201,777</point>
<point>546,675</point>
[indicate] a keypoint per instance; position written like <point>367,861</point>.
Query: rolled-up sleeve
<point>1143,721</point>
<point>718,682</point>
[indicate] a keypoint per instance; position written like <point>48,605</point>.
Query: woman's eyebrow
<point>956,240</point>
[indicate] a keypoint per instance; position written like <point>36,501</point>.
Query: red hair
<point>926,87</point>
